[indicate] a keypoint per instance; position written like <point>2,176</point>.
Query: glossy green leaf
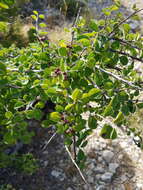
<point>77,93</point>
<point>55,116</point>
<point>108,132</point>
<point>92,122</point>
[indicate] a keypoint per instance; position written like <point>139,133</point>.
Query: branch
<point>125,42</point>
<point>124,20</point>
<point>51,138</point>
<point>74,24</point>
<point>92,82</point>
<point>127,54</point>
<point>119,78</point>
<point>74,146</point>
<point>82,176</point>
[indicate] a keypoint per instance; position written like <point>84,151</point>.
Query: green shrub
<point>97,67</point>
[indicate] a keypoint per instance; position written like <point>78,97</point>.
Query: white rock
<point>58,174</point>
<point>91,166</point>
<point>101,187</point>
<point>107,177</point>
<point>100,159</point>
<point>90,179</point>
<point>98,176</point>
<point>69,188</point>
<point>113,167</point>
<point>46,163</point>
<point>107,155</point>
<point>99,170</point>
<point>55,173</point>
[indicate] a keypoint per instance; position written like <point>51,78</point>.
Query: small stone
<point>58,174</point>
<point>69,188</point>
<point>107,155</point>
<point>100,159</point>
<point>46,163</point>
<point>90,179</point>
<point>123,178</point>
<point>120,157</point>
<point>101,187</point>
<point>113,167</point>
<point>107,177</point>
<point>55,173</point>
<point>99,170</point>
<point>91,166</point>
<point>98,176</point>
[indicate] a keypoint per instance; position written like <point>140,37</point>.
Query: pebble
<point>58,174</point>
<point>90,179</point>
<point>69,188</point>
<point>113,167</point>
<point>107,155</point>
<point>101,187</point>
<point>46,163</point>
<point>98,176</point>
<point>99,170</point>
<point>107,177</point>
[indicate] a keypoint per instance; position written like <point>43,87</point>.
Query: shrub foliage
<point>94,72</point>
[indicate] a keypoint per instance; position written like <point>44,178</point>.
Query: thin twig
<point>51,138</point>
<point>82,176</point>
<point>127,54</point>
<point>92,82</point>
<point>119,78</point>
<point>123,21</point>
<point>74,146</point>
<point>74,24</point>
<point>126,42</point>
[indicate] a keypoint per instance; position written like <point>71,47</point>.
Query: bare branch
<point>127,54</point>
<point>82,176</point>
<point>74,24</point>
<point>123,21</point>
<point>126,42</point>
<point>51,138</point>
<point>119,78</point>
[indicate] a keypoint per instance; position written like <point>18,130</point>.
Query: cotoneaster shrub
<point>97,66</point>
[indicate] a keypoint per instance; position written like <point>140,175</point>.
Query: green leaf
<point>8,114</point>
<point>34,114</point>
<point>140,105</point>
<point>93,25</point>
<point>76,94</point>
<point>119,118</point>
<point>55,116</point>
<point>19,104</point>
<point>69,107</point>
<point>34,17</point>
<point>108,132</point>
<point>94,91</point>
<point>92,122</point>
<point>124,60</point>
<point>2,69</point>
<point>41,16</point>
<point>108,110</point>
<point>80,155</point>
<point>63,51</point>
<point>4,6</point>
<point>42,25</point>
<point>35,12</point>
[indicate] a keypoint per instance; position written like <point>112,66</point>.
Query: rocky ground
<point>111,165</point>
